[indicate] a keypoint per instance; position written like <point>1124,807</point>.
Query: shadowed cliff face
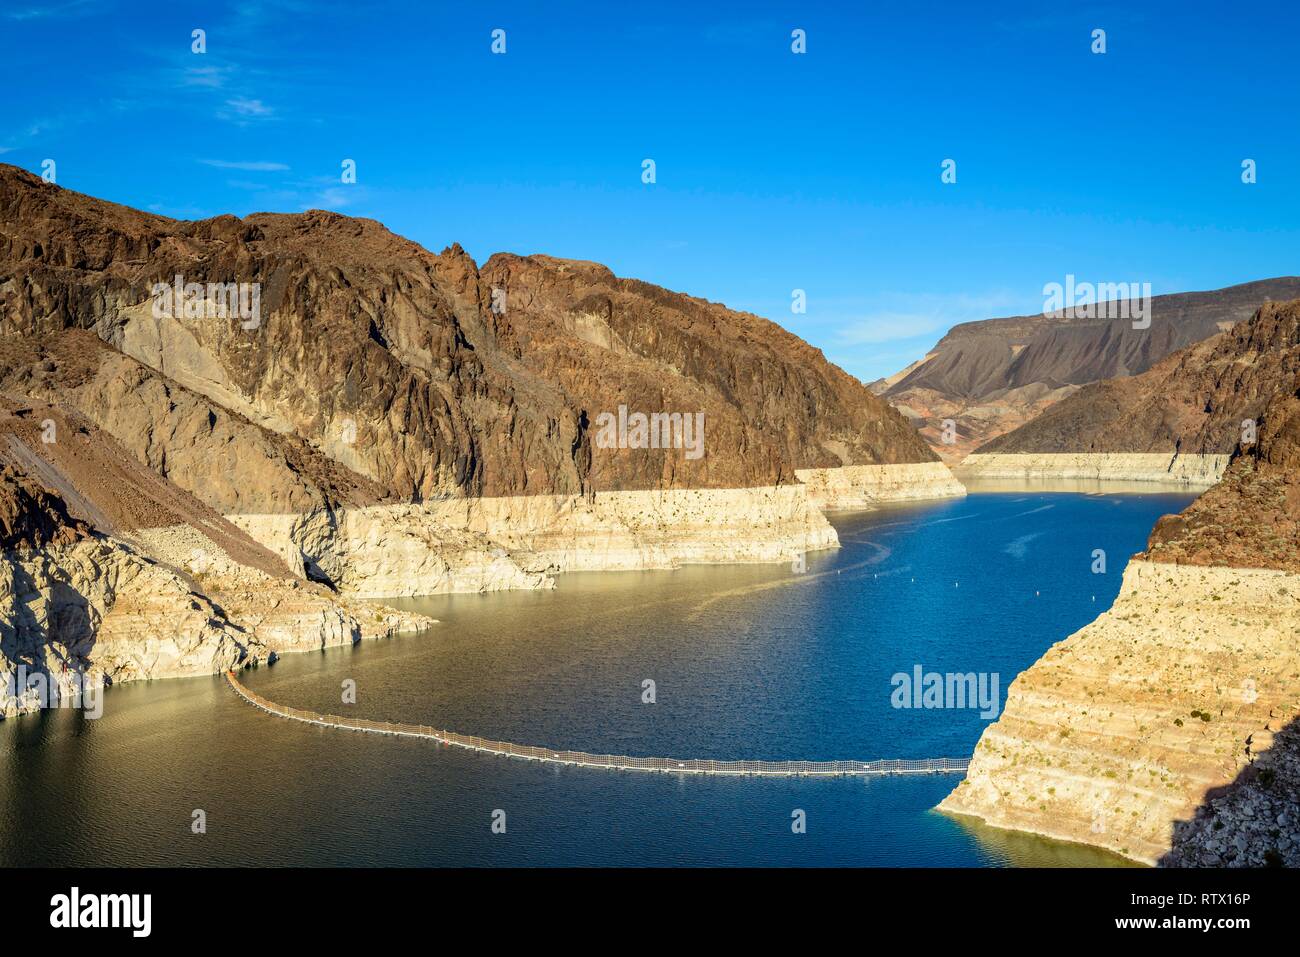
<point>31,516</point>
<point>220,456</point>
<point>393,362</point>
<point>1255,820</point>
<point>992,377</point>
<point>1193,401</point>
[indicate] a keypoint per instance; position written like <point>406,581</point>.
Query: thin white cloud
<point>890,327</point>
<point>922,314</point>
<point>248,166</point>
<point>213,77</point>
<point>335,198</point>
<point>246,108</point>
<point>62,10</point>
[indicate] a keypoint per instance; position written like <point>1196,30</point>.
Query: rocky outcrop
<point>1187,471</point>
<point>867,486</point>
<point>94,590</point>
<point>99,612</point>
<point>1121,730</point>
<point>994,376</point>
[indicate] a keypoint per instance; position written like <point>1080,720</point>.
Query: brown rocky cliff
<point>231,463</point>
<point>365,330</point>
<point>1251,519</point>
<point>771,402</point>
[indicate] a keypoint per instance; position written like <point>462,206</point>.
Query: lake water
<point>747,661</point>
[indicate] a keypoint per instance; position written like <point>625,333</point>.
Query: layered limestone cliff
<point>866,486</point>
<point>95,590</point>
<point>1120,731</point>
<point>98,612</point>
<point>487,544</point>
<point>1189,471</point>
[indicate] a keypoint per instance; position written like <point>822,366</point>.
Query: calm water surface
<point>748,662</point>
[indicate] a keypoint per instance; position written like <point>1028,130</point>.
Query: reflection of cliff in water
<point>1019,849</point>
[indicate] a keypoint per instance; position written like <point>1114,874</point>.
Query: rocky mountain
<point>993,376</point>
<point>1166,730</point>
<point>1193,401</point>
<point>258,423</point>
<point>395,361</point>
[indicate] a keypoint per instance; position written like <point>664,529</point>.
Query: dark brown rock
<point>447,396</point>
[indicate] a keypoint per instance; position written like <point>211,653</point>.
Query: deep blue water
<point>748,662</point>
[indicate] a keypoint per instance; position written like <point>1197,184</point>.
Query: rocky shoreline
<point>122,615</point>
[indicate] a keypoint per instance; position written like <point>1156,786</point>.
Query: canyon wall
<point>1121,730</point>
<point>489,544</point>
<point>866,486</point>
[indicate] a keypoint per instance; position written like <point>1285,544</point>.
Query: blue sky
<point>775,171</point>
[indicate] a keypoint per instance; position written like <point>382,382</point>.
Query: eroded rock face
<point>856,487</point>
<point>95,590</point>
<point>771,402</point>
<point>386,421</point>
<point>490,544</point>
<point>1163,468</point>
<point>1251,519</point>
<point>221,457</point>
<point>99,611</point>
<point>31,517</point>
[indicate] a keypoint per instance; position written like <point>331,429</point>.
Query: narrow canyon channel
<point>754,662</point>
